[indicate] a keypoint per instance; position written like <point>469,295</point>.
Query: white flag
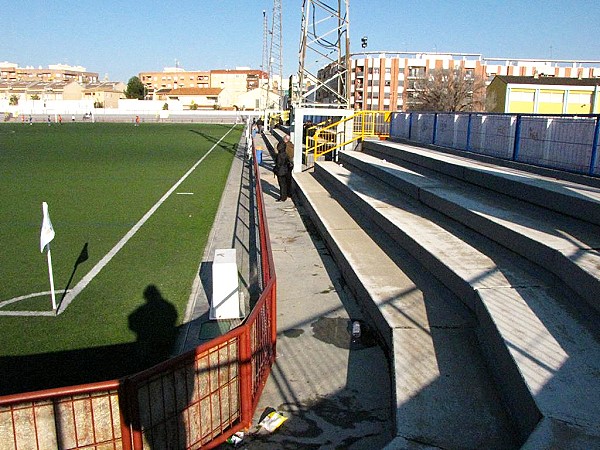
<point>47,233</point>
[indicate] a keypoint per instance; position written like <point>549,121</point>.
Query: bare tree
<point>450,90</point>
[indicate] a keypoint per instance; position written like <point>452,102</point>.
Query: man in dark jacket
<point>283,170</point>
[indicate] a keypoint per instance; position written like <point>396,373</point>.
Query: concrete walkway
<point>334,392</point>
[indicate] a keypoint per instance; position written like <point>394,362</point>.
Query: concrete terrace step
<point>544,354</point>
<point>564,245</point>
<point>444,394</point>
<point>576,199</point>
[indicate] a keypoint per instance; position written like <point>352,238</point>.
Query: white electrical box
<point>226,292</point>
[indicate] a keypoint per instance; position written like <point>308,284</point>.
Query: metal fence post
<point>410,119</point>
<point>594,155</point>
<point>434,133</point>
<point>392,124</point>
<point>517,144</point>
<point>468,143</point>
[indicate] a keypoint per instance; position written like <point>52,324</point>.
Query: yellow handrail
<point>327,139</point>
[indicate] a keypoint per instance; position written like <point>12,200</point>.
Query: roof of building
<point>195,91</point>
<point>510,79</point>
<point>35,85</point>
<point>106,86</point>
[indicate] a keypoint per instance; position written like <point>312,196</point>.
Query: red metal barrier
<point>74,417</point>
<point>195,400</point>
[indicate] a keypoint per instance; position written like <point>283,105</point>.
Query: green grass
<point>99,180</point>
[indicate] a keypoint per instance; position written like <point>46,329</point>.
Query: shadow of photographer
<point>155,324</point>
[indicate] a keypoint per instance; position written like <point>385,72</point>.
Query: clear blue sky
<point>123,38</point>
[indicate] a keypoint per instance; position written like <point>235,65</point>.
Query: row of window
<point>176,78</point>
<point>175,85</point>
<point>371,95</point>
<point>359,105</point>
<point>550,97</point>
<point>413,72</point>
<point>374,83</point>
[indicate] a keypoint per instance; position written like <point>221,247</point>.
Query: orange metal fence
<point>75,417</point>
<point>195,400</point>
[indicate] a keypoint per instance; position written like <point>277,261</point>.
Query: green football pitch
<point>132,208</point>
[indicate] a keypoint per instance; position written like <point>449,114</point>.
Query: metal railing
<point>562,142</point>
<point>195,400</point>
<point>329,137</point>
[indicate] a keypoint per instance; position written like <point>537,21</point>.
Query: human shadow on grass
<point>154,323</point>
<point>155,326</point>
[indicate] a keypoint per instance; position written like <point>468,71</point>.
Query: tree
<point>449,90</point>
<point>14,100</point>
<point>135,88</point>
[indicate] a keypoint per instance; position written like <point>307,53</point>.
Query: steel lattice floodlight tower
<point>276,51</point>
<point>265,57</point>
<point>324,47</point>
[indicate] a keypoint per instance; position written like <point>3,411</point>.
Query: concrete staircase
<point>483,283</point>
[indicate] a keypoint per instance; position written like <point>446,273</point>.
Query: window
<point>416,72</point>
<point>551,97</point>
<point>582,98</point>
<point>521,96</point>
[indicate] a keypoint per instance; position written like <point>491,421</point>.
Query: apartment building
<point>172,78</point>
<point>55,72</point>
<point>240,80</point>
<point>389,81</point>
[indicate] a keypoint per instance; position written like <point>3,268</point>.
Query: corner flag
<point>47,233</point>
<point>46,236</point>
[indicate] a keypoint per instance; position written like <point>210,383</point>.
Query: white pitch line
<point>105,260</point>
<point>25,297</point>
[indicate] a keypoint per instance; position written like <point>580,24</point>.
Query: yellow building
<point>543,95</point>
<point>105,94</point>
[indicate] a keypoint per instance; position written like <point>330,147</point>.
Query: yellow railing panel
<point>327,139</point>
